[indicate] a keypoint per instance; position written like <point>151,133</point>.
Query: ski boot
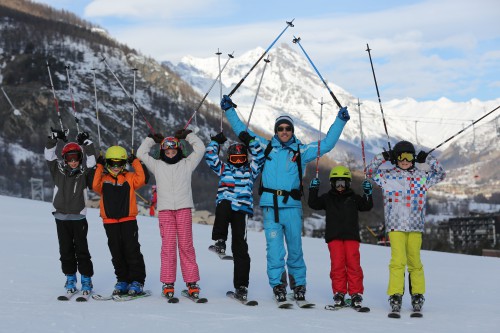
<point>70,284</point>
<point>168,290</point>
<point>121,288</point>
<point>280,293</point>
<point>193,289</point>
<point>299,293</point>
<point>220,246</point>
<point>339,300</point>
<point>86,285</point>
<point>417,301</point>
<point>241,293</point>
<point>135,288</point>
<point>395,302</point>
<point>356,300</point>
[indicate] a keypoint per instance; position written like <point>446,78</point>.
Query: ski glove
<point>101,160</point>
<point>343,114</point>
<point>157,137</point>
<point>314,184</point>
<point>131,158</point>
<point>245,137</point>
<point>226,103</point>
<point>182,134</point>
<point>367,187</point>
<point>59,134</point>
<point>422,156</point>
<point>220,138</point>
<point>389,156</point>
<point>83,139</point>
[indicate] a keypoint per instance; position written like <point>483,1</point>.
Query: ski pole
<point>319,136</point>
<point>297,41</point>
<point>288,24</point>
<point>257,92</point>
<point>230,56</point>
<point>72,100</point>
<point>97,112</point>
<point>218,53</point>
<point>56,102</point>
<point>128,95</point>
<point>463,129</point>
<point>362,139</point>
<point>378,95</point>
<point>8,100</point>
<point>133,111</point>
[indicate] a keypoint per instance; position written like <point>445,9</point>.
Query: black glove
<point>131,158</point>
<point>59,134</point>
<point>245,137</point>
<point>101,160</point>
<point>389,156</point>
<point>226,103</point>
<point>220,138</point>
<point>157,137</point>
<point>82,137</point>
<point>182,134</point>
<point>422,156</point>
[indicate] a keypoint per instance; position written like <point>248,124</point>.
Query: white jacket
<point>173,181</point>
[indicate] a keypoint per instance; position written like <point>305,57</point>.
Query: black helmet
<point>237,154</point>
<point>403,147</point>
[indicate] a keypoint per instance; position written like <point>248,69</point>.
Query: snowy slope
<point>462,291</point>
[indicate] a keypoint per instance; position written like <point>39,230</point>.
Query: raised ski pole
<point>72,100</point>
<point>128,95</point>
<point>288,24</point>
<point>319,136</point>
<point>133,111</point>
<point>8,100</point>
<point>257,92</point>
<point>378,95</point>
<point>362,139</point>
<point>463,129</point>
<point>297,41</point>
<point>230,56</point>
<point>97,112</point>
<point>218,53</point>
<point>56,102</point>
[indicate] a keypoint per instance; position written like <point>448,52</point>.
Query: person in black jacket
<point>342,232</point>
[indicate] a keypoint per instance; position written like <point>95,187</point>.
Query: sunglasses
<point>237,159</point>
<point>73,157</point>
<point>406,156</point>
<point>285,128</point>
<point>113,163</point>
<point>169,143</point>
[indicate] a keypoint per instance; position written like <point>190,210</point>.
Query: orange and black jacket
<point>118,200</point>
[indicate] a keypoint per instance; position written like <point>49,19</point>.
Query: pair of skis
<point>288,304</point>
<point>121,298</point>
<point>84,297</point>
<point>413,314</point>
<point>357,308</point>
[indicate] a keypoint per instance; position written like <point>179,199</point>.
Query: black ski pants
<point>126,256</point>
<point>73,247</point>
<point>224,216</point>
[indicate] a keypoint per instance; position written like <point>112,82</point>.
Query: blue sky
<point>421,49</point>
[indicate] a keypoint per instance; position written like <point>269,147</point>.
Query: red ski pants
<point>176,226</point>
<point>346,273</point>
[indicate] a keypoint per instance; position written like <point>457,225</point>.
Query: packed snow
<point>462,291</point>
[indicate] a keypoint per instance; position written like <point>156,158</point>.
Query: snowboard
<point>221,256</point>
<point>185,293</point>
<point>232,295</point>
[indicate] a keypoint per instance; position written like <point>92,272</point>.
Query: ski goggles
<point>284,128</point>
<point>237,159</point>
<point>114,163</point>
<point>73,157</point>
<point>406,156</point>
<point>340,183</point>
<point>170,143</point>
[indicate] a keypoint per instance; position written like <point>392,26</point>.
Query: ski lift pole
<point>378,95</point>
<point>128,95</point>
<point>362,139</point>
<point>463,129</point>
<point>257,92</point>
<point>296,40</point>
<point>319,136</point>
<point>133,112</point>
<point>72,100</point>
<point>218,53</point>
<point>288,24</point>
<point>56,102</point>
<point>97,113</point>
<point>8,99</point>
<point>230,56</point>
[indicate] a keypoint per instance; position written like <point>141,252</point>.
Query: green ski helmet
<point>340,171</point>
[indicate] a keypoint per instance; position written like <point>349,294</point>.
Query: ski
<point>361,308</point>
<point>84,297</point>
<point>301,304</point>
<point>97,297</point>
<point>124,298</point>
<point>173,300</point>
<point>416,314</point>
<point>232,295</point>
<point>284,304</point>
<point>394,314</point>
<point>221,256</point>
<point>68,295</point>
<point>185,293</point>
<point>336,307</point>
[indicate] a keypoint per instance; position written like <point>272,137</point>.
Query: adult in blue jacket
<point>286,158</point>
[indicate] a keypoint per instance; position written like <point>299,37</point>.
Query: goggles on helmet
<point>114,163</point>
<point>169,143</point>
<point>238,159</point>
<point>406,156</point>
<point>73,156</point>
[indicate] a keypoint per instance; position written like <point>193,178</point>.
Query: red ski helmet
<point>72,151</point>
